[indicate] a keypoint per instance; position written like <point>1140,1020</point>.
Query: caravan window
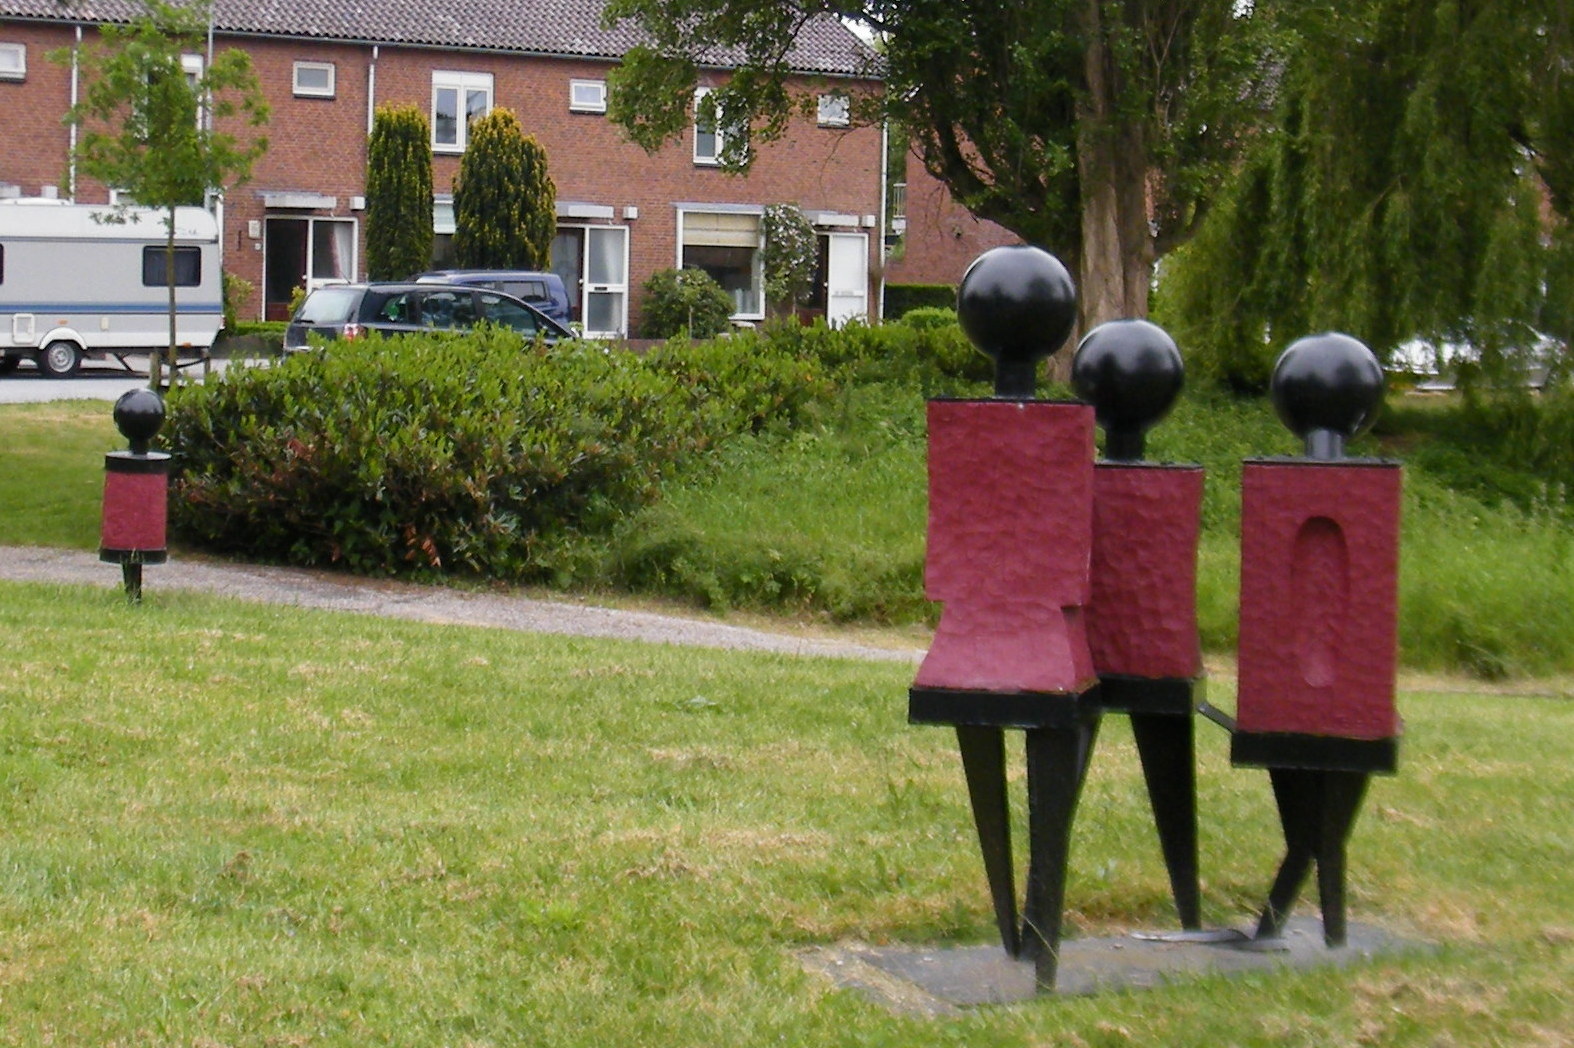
<point>188,267</point>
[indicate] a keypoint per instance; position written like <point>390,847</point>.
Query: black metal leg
<point>984,764</point>
<point>1167,748</point>
<point>1057,764</point>
<point>1342,793</point>
<point>131,573</point>
<point>1296,794</point>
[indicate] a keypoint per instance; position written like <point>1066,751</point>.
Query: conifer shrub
<point>398,194</point>
<point>478,454</point>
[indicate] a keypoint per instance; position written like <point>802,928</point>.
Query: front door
<point>304,253</point>
<point>593,262</point>
<point>846,278</point>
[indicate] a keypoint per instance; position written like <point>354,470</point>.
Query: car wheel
<point>60,359</point>
<point>8,364</point>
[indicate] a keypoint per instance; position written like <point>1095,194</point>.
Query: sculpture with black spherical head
<point>1318,619</point>
<point>1142,617</point>
<point>136,491</point>
<point>1009,543</point>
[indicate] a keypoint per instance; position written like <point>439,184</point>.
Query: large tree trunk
<point>1115,265</point>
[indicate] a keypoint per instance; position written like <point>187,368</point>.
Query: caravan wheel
<point>60,359</point>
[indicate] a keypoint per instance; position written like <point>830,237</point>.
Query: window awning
<point>720,229</point>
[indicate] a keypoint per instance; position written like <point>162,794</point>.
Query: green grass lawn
<point>230,824</point>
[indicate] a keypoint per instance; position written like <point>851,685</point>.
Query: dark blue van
<point>544,291</point>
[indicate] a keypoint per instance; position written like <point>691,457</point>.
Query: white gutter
<point>371,91</point>
<point>76,74</point>
<point>885,206</point>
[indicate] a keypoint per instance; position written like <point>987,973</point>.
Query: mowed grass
<point>231,824</point>
<point>52,483</point>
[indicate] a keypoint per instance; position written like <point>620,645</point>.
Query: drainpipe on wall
<point>371,92</point>
<point>885,175</point>
<point>71,158</point>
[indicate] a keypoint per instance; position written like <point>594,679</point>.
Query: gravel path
<point>320,589</point>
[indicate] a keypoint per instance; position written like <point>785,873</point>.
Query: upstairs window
<point>457,99</point>
<point>13,61</point>
<point>188,267</point>
<point>714,142</point>
<point>835,111</point>
<point>587,96</point>
<point>314,79</point>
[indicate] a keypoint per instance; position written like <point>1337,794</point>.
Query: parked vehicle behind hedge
<point>351,311</point>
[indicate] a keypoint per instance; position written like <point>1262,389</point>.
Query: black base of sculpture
<point>1059,731</point>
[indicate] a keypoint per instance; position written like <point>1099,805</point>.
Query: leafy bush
<point>684,302</point>
<point>476,454</point>
<point>929,318</point>
<point>901,299</point>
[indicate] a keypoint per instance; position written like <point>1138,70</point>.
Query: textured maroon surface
<point>1142,621</point>
<point>1010,541</point>
<point>1319,581</point>
<point>135,508</point>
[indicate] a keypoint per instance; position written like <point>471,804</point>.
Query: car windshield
<point>328,305</point>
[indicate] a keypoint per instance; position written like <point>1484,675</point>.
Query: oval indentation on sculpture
<point>1320,574</point>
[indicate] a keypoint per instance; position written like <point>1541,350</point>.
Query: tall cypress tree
<point>398,194</point>
<point>505,203</point>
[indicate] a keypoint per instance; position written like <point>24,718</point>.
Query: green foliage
<point>790,255</point>
<point>504,200</point>
<point>901,299</point>
<point>398,194</point>
<point>236,290</point>
<point>1399,193</point>
<point>468,455</point>
<point>148,130</point>
<point>684,302</point>
<point>929,318</point>
<point>997,102</point>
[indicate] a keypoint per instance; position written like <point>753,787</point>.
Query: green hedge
<point>460,454</point>
<point>901,299</point>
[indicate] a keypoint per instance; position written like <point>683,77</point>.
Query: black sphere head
<point>138,415</point>
<point>1017,304</point>
<point>1327,388</point>
<point>1131,372</point>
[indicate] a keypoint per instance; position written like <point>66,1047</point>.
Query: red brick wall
<point>319,145</point>
<point>942,236</point>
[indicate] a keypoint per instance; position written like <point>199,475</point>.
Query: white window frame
<point>192,65</point>
<point>463,84</point>
<point>587,96</point>
<point>310,90</point>
<point>13,61</point>
<point>835,110</point>
<point>718,136</point>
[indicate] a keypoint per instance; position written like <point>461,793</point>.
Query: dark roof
<point>570,28</point>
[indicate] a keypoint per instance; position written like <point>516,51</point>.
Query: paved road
<point>98,380</point>
<point>403,600</point>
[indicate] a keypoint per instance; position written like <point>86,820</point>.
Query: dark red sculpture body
<point>135,511</point>
<point>1319,584</point>
<point>1010,497</point>
<point>1142,619</point>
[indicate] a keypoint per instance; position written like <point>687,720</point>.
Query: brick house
<point>623,214</point>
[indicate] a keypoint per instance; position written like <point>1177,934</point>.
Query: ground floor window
<point>726,244</point>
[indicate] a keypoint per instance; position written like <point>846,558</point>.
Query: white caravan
<point>78,280</point>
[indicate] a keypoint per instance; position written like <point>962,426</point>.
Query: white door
<point>846,278</point>
<point>606,281</point>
